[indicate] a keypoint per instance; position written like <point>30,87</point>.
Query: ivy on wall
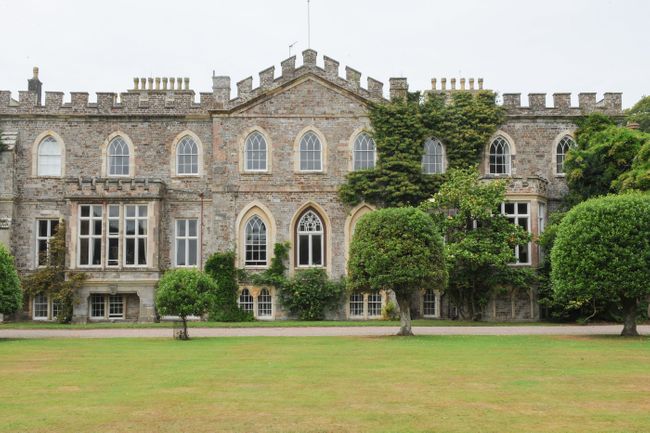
<point>462,121</point>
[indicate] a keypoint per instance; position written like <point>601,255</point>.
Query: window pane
<point>316,248</point>
<point>192,228</point>
<point>97,227</point>
<point>180,228</point>
<point>83,252</point>
<point>142,251</point>
<point>303,248</point>
<point>97,251</point>
<point>191,260</point>
<point>142,227</point>
<point>180,253</point>
<point>85,211</point>
<point>130,251</point>
<point>113,251</point>
<point>42,228</point>
<point>522,208</point>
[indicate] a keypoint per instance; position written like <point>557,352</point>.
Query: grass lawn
<point>391,384</point>
<point>263,324</point>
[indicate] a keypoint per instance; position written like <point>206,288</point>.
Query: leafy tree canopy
<point>640,114</point>
<point>398,249</point>
<point>602,253</point>
<point>480,241</point>
<point>463,123</point>
<point>11,297</point>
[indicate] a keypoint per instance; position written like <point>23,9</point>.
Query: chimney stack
<point>35,85</point>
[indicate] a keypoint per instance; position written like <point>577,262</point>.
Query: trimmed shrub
<point>11,297</point>
<point>310,294</point>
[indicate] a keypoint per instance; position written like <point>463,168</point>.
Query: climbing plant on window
<point>462,121</point>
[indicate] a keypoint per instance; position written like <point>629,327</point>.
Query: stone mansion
<point>151,179</point>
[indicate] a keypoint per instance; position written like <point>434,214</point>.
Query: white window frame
<point>567,143</point>
<point>426,301</point>
<point>369,311</point>
<point>262,243</point>
<point>358,300</point>
<point>504,144</point>
<point>249,301</point>
<point>91,303</point>
<point>137,218</point>
<point>516,216</point>
<point>194,157</point>
<point>109,156</point>
<point>91,236</point>
<point>434,144</point>
<point>310,235</point>
<point>263,303</point>
<point>48,236</point>
<point>301,150</point>
<point>111,236</point>
<point>110,300</point>
<point>185,240</point>
<point>248,153</point>
<point>47,307</point>
<point>57,157</point>
<point>356,152</point>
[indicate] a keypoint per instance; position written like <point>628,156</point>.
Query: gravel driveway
<point>343,331</point>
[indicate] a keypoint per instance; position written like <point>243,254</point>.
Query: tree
<point>462,121</point>
<point>310,293</point>
<point>480,242</point>
<point>638,177</point>
<point>602,253</point>
<point>221,268</point>
<point>604,152</point>
<point>185,292</point>
<point>398,249</point>
<point>53,279</point>
<point>640,114</point>
<point>11,297</point>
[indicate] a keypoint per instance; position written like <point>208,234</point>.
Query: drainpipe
<point>201,237</point>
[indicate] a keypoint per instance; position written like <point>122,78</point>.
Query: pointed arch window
<point>364,152</point>
<point>246,301</point>
<point>264,303</point>
<point>433,159</point>
<point>49,157</point>
<point>561,150</point>
<point>255,152</point>
<point>311,152</point>
<point>310,240</point>
<point>500,156</point>
<point>187,156</point>
<point>118,157</point>
<point>256,242</point>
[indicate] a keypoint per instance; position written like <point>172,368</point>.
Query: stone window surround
<point>444,154</point>
<point>571,134</point>
<point>293,227</point>
<point>437,304</point>
<point>173,161</point>
<point>529,228</point>
<point>513,154</point>
<point>38,237</point>
<point>255,292</point>
<point>106,300</point>
<point>350,223</point>
<point>186,239</point>
<point>241,143</point>
<point>264,213</point>
<point>296,151</point>
<point>365,316</point>
<point>50,308</point>
<point>104,152</point>
<point>352,141</point>
<point>34,153</point>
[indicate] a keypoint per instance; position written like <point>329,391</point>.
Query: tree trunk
<point>404,316</point>
<point>184,335</point>
<point>629,323</point>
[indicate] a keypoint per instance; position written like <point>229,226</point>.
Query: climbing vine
<point>462,121</point>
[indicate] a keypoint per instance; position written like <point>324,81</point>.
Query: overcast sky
<point>515,45</point>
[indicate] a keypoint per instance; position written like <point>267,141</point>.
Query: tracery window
<point>311,152</point>
<point>187,156</point>
<point>255,233</point>
<point>563,147</point>
<point>500,156</point>
<point>118,157</point>
<point>49,157</point>
<point>432,160</point>
<point>255,152</point>
<point>364,152</point>
<point>310,234</point>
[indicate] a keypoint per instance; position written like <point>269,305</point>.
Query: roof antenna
<point>308,25</point>
<point>291,46</point>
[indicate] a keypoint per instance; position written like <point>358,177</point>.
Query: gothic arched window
<point>246,300</point>
<point>187,156</point>
<point>255,152</point>
<point>364,152</point>
<point>561,150</point>
<point>500,156</point>
<point>311,152</point>
<point>118,157</point>
<point>432,159</point>
<point>264,303</point>
<point>49,157</point>
<point>255,242</point>
<point>310,240</point>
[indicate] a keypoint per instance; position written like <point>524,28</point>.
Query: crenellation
<point>27,99</point>
<point>105,101</point>
<point>512,100</point>
<point>353,77</point>
<point>562,101</point>
<point>244,88</point>
<point>398,88</point>
<point>130,101</point>
<point>331,67</point>
<point>537,101</point>
<point>53,101</point>
<point>612,101</point>
<point>375,88</point>
<point>5,98</point>
<point>309,57</point>
<point>587,102</point>
<point>266,77</point>
<point>288,67</point>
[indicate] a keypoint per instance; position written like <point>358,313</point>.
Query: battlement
<point>611,104</point>
<point>465,85</point>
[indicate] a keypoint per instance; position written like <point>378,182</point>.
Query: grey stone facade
<point>156,113</point>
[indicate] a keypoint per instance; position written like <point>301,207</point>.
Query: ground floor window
<point>107,306</point>
<point>264,303</point>
<point>374,304</point>
<point>356,305</point>
<point>429,304</point>
<point>519,213</point>
<point>40,308</point>
<point>246,301</point>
